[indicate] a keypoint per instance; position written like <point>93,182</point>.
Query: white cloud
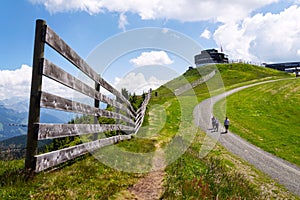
<point>136,83</point>
<point>206,34</point>
<point>56,88</point>
<point>15,83</point>
<point>123,21</point>
<point>54,6</point>
<point>234,41</point>
<point>183,10</point>
<point>261,37</point>
<point>269,37</point>
<point>152,58</point>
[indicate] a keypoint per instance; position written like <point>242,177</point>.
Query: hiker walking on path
<point>213,121</point>
<point>216,125</point>
<point>226,124</point>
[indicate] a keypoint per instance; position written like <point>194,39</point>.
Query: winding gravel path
<point>279,169</point>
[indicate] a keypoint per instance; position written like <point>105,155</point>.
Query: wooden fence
<point>128,120</point>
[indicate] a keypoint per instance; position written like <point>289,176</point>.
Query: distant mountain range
<point>16,104</point>
<point>14,117</point>
<point>11,122</point>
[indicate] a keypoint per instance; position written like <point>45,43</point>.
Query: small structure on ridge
<point>210,56</point>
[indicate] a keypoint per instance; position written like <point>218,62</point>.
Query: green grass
<point>84,178</point>
<point>188,177</point>
<point>228,76</point>
<point>192,178</point>
<point>138,145</point>
<point>233,74</point>
<point>268,116</point>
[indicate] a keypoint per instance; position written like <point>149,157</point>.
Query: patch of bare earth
<point>151,186</point>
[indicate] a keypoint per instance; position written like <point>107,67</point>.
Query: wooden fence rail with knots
<point>127,119</point>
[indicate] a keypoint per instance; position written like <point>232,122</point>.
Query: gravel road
<point>285,173</point>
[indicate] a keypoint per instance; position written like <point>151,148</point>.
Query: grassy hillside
<point>268,116</point>
<point>232,74</point>
<point>220,174</point>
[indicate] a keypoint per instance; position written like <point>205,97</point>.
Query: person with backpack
<point>226,124</point>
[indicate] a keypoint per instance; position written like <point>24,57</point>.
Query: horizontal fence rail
<point>51,131</point>
<point>127,119</point>
<point>60,103</point>
<point>54,158</point>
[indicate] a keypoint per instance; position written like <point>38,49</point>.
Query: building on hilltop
<point>210,56</point>
<point>292,67</point>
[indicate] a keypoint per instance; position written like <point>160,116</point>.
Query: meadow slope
<point>218,175</point>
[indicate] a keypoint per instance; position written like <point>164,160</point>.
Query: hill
<point>168,124</point>
<point>232,74</point>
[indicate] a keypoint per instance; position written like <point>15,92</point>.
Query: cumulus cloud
<point>234,41</point>
<point>206,34</point>
<point>55,88</point>
<point>15,83</point>
<point>137,83</point>
<point>183,10</point>
<point>262,37</point>
<point>152,58</point>
<point>269,37</point>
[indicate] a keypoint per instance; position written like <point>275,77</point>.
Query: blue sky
<point>257,31</point>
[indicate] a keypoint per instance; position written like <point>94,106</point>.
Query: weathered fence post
<point>96,104</point>
<point>118,111</point>
<point>35,96</point>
